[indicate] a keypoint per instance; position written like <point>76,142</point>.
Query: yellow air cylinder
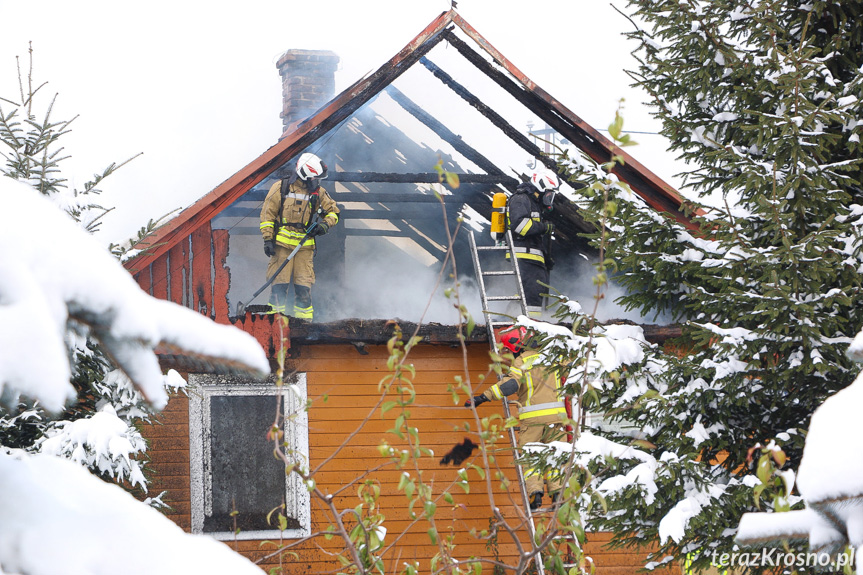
<point>498,216</point>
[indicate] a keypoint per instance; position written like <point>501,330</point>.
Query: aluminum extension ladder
<point>500,248</point>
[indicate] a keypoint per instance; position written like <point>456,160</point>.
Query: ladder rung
<point>508,247</point>
<point>494,324</point>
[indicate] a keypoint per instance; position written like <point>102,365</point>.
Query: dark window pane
<point>245,475</point>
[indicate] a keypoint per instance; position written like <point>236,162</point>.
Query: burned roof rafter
<point>496,119</point>
<point>300,136</point>
<point>566,230</point>
<point>445,133</point>
<point>375,211</point>
<point>418,178</point>
<point>654,191</point>
<point>361,332</point>
<point>296,139</point>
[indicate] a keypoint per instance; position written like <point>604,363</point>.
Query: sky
<point>193,85</point>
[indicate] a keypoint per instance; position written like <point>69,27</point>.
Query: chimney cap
<point>307,56</point>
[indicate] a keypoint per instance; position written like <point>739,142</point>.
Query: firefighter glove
<point>270,248</point>
<point>549,228</point>
<point>320,229</point>
<point>476,400</point>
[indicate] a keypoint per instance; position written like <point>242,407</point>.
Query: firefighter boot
<point>278,298</point>
<point>303,302</point>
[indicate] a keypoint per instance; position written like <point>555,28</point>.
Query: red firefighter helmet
<point>512,338</point>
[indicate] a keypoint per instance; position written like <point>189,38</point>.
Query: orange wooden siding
<point>343,386</point>
<point>193,273</point>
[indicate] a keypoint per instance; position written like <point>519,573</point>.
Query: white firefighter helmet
<point>545,181</point>
<point>309,166</point>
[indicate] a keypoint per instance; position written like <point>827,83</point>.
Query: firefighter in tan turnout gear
<point>541,411</point>
<point>296,210</point>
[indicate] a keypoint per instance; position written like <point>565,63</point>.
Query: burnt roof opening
<point>448,100</point>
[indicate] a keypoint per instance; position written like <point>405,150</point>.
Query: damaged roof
<point>484,172</point>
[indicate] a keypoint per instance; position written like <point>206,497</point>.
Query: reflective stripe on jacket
<point>524,218</point>
<point>296,214</point>
<point>537,387</point>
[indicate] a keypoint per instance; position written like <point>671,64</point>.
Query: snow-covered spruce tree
<point>763,100</point>
<point>108,406</point>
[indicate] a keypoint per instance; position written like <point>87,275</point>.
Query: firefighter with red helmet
<point>541,411</point>
<point>303,208</point>
<point>527,211</point>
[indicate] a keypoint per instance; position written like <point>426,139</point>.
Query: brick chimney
<point>308,82</point>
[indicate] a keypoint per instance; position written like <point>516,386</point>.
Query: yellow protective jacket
<point>296,214</point>
<point>537,387</point>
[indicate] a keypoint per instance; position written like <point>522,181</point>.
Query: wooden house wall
<point>191,272</point>
<point>343,385</point>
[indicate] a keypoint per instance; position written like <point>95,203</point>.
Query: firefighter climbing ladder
<point>500,248</point>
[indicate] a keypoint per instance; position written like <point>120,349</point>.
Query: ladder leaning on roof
<point>500,248</point>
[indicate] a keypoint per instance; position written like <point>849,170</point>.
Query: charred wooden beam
<point>402,231</point>
<point>499,122</point>
<point>258,195</point>
<point>402,212</point>
<point>378,332</point>
<point>445,133</point>
<point>401,209</point>
<point>385,198</point>
<point>427,241</point>
<point>296,139</point>
<point>418,178</point>
<point>360,332</point>
<point>235,211</point>
<point>565,228</point>
<point>655,192</point>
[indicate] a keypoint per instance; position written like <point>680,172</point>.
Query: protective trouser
<point>302,301</point>
<point>531,275</point>
<point>543,429</point>
<point>301,272</point>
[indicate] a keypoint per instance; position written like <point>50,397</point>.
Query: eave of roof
<point>299,136</point>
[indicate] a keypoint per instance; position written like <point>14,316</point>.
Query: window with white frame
<point>235,480</point>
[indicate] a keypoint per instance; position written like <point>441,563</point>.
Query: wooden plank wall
<point>185,274</point>
<point>343,385</point>
<point>168,466</point>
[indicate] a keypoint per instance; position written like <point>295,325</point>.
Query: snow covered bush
<point>53,511</point>
<point>77,369</point>
<point>828,480</point>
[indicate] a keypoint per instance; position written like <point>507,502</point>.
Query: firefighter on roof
<point>295,211</point>
<point>526,213</point>
<point>541,412</point>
